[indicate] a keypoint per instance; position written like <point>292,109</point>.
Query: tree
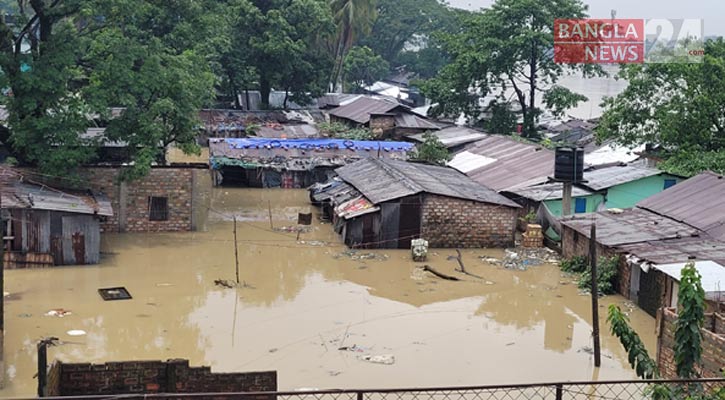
<point>67,62</point>
<point>431,151</point>
<point>280,44</point>
<point>688,334</point>
<point>353,18</point>
<point>507,49</point>
<point>363,67</point>
<point>679,106</point>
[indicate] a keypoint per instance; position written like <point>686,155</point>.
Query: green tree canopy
<point>431,151</point>
<point>505,50</point>
<point>363,67</point>
<point>680,107</point>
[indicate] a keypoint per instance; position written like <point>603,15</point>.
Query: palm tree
<point>353,18</point>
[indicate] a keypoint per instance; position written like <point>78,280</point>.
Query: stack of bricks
<point>533,237</point>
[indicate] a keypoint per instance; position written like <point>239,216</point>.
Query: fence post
<point>559,391</point>
<point>360,396</point>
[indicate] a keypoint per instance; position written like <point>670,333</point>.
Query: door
<point>410,215</point>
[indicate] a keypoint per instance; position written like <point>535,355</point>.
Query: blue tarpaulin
<point>312,144</point>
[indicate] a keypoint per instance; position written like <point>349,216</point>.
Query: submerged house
<point>291,163</point>
<point>46,226</point>
<point>385,203</point>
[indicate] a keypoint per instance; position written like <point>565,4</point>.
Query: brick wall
<point>448,222</point>
<point>130,200</point>
<point>173,376</point>
<point>713,346</point>
<point>382,125</point>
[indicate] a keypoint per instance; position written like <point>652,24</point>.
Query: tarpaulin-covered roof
<point>299,154</point>
<point>382,180</point>
<point>698,201</point>
<point>514,162</point>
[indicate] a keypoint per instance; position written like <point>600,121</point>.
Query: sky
<point>712,11</point>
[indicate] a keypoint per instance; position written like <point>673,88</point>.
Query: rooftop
<point>604,178</point>
<point>677,250</point>
<point>548,191</point>
<point>453,136</point>
<point>505,163</point>
<point>634,225</point>
<point>697,202</point>
<point>382,180</point>
<point>360,109</point>
<point>712,276</point>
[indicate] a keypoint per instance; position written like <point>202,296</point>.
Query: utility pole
<point>595,295</point>
<point>566,199</point>
<point>236,251</point>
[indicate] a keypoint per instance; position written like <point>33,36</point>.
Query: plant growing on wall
<point>574,264</point>
<point>606,275</point>
<point>688,336</point>
<point>431,151</point>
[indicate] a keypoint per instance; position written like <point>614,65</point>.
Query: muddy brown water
<point>304,301</point>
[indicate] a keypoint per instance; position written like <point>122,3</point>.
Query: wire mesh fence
<point>702,389</point>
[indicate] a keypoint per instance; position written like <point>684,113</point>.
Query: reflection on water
<point>302,303</point>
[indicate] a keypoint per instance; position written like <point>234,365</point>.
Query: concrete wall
<point>448,222</point>
<point>173,376</point>
<point>593,201</point>
<point>713,345</point>
<point>629,194</point>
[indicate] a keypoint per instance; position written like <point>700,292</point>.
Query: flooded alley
<point>309,308</point>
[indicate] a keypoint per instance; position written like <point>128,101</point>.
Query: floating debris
<point>315,243</point>
<point>58,312</point>
<point>76,332</point>
<point>114,293</point>
<point>385,359</point>
<point>524,258</point>
<point>294,229</point>
<point>355,255</point>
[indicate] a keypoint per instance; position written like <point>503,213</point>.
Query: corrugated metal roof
<point>633,225</point>
<point>40,197</point>
<point>549,191</point>
<point>612,153</point>
<point>698,201</point>
<point>383,180</point>
<point>404,120</point>
<point>300,154</point>
<point>296,131</point>
<point>600,179</point>
<point>359,110</point>
<point>453,136</point>
<point>677,250</point>
<point>516,162</point>
<point>712,276</point>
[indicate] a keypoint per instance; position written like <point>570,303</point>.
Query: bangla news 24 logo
<point>628,41</point>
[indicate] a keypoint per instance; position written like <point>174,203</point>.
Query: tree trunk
<point>530,125</point>
<point>264,90</point>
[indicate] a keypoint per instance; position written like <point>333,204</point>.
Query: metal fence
<point>604,390</point>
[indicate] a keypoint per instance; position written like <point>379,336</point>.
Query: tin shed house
<point>45,227</point>
<point>384,203</point>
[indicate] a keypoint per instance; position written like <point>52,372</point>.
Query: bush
<point>342,131</point>
<point>576,264</point>
<point>607,276</point>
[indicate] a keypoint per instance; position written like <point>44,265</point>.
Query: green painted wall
<point>593,201</point>
<point>629,194</point>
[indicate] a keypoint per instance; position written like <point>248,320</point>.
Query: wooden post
<point>236,251</point>
<point>566,199</point>
<point>595,295</point>
<point>42,367</point>
<point>269,208</point>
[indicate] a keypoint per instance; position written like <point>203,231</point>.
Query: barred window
<point>158,208</point>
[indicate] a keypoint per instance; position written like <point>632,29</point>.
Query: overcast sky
<point>712,11</point>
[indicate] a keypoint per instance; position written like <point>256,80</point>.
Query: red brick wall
<point>173,376</point>
<point>448,222</point>
<point>132,213</point>
<point>713,347</point>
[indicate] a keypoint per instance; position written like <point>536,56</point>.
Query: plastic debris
<point>76,332</point>
<point>355,255</point>
<point>58,312</point>
<point>385,359</point>
<point>419,249</point>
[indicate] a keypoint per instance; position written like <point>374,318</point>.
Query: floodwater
<point>302,302</point>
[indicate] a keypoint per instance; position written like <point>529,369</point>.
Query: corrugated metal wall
<point>81,240</point>
<point>390,223</point>
<point>35,231</point>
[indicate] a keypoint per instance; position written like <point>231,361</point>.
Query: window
<point>158,208</point>
<point>670,182</point>
<point>580,206</point>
